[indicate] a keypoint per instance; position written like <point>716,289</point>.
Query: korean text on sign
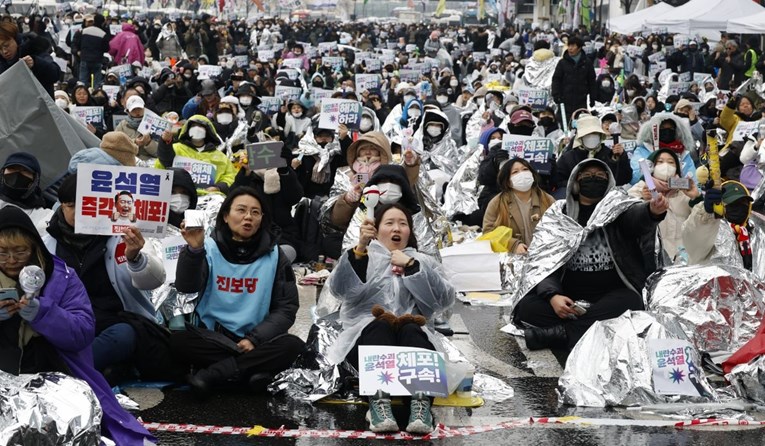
<point>203,174</point>
<point>111,198</point>
<point>340,111</point>
<point>401,370</point>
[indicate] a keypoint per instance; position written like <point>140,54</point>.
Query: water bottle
<point>465,389</point>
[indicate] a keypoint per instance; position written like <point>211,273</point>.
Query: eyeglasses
<point>20,256</point>
<point>6,46</point>
<point>588,175</point>
<point>255,213</point>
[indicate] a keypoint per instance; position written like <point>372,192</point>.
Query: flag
<point>585,13</point>
<point>259,4</point>
<point>439,9</point>
<point>481,9</point>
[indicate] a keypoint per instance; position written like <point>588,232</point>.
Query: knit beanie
<point>120,147</point>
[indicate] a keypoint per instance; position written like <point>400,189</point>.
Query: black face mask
<point>737,213</point>
<point>16,184</point>
<point>546,121</point>
<point>99,100</point>
<point>593,187</point>
<point>521,130</point>
<point>666,135</point>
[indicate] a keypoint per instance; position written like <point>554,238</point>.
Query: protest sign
<point>629,145</point>
<point>537,151</point>
<point>655,57</point>
<point>372,64</point>
<point>319,93</point>
<point>744,129</point>
<point>270,104</point>
<point>146,73</point>
<point>265,155</point>
<point>241,61</point>
<point>634,51</point>
<point>367,82</point>
<point>326,47</point>
<point>387,59</point>
<point>291,73</point>
<point>286,93</point>
<point>116,119</point>
<point>401,371</point>
<point>723,96</point>
<point>676,88</point>
<point>153,125</point>
<point>536,98</point>
<point>115,29</point>
<point>311,51</point>
<point>171,250</point>
<point>670,362</point>
<point>391,45</point>
<point>265,55</point>
<point>209,71</point>
<point>680,40</point>
<point>410,47</point>
<point>420,67</point>
<point>278,47</point>
<point>88,115</point>
<point>657,67</point>
<point>411,76</point>
<point>700,78</point>
<point>479,55</point>
<point>112,198</point>
<point>340,111</point>
<point>123,72</point>
<point>684,77</point>
<point>202,173</point>
<point>295,64</point>
<point>335,62</point>
<point>111,91</point>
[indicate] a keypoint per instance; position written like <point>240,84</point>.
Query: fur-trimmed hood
<point>682,126</point>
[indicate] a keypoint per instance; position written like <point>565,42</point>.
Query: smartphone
<point>9,293</point>
<point>195,219</point>
<point>579,309</point>
<point>360,178</point>
<point>680,183</point>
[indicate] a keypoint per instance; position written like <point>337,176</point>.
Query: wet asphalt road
<point>533,376</point>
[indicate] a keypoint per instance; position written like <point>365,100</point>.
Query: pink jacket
<point>127,44</point>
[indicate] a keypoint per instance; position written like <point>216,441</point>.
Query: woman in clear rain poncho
<point>390,293</point>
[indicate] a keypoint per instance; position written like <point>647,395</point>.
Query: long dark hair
<point>380,212</point>
<point>503,178</point>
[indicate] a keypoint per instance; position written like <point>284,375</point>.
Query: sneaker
<point>380,414</point>
<point>420,417</point>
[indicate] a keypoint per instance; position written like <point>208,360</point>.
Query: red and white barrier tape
<point>441,430</point>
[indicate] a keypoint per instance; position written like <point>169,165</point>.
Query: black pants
<point>273,357</point>
<point>537,311</point>
<point>379,332</point>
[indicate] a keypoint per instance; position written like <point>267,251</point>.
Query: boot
<point>538,338</point>
<point>258,382</point>
<point>203,381</point>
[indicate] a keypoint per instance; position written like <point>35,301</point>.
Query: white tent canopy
<point>632,23</point>
<point>699,16</point>
<point>753,24</point>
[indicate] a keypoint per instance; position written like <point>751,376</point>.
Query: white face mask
<point>522,181</point>
<point>365,125</point>
<point>389,193</point>
<point>179,203</point>
<point>414,112</point>
<point>655,47</point>
<point>479,101</point>
<point>664,171</point>
<point>245,100</point>
<point>606,84</point>
<point>297,115</point>
<point>197,133</point>
<point>591,141</point>
<point>630,92</point>
<point>454,83</point>
<point>408,98</point>
<point>225,118</point>
<point>62,103</point>
<point>442,99</point>
<point>494,143</point>
<point>434,130</point>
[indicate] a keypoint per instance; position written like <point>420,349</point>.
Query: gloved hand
<point>499,156</point>
<point>29,312</point>
<point>712,196</point>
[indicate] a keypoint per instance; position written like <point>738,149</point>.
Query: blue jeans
<point>88,68</point>
<point>114,345</point>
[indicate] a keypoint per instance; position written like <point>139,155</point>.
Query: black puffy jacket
<point>573,81</point>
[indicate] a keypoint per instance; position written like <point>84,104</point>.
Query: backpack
<point>307,217</point>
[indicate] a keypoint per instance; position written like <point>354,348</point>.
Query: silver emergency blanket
<point>461,196</point>
<point>719,307</point>
<point>307,146</point>
<point>537,74</point>
<point>166,299</point>
<point>474,126</point>
<point>726,250</point>
<point>31,122</point>
<point>239,137</point>
<point>443,155</point>
<point>558,236</point>
<point>610,365</point>
<point>391,127</point>
<point>48,408</point>
<point>748,380</point>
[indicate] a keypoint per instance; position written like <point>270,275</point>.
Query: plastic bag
<point>499,237</point>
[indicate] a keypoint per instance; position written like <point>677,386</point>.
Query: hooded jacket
<point>45,69</point>
<point>65,321</point>
<point>30,200</point>
<point>182,179</point>
<point>224,169</point>
<point>629,235</point>
<point>440,152</point>
<point>645,145</point>
<point>127,45</point>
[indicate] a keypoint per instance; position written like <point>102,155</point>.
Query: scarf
<point>675,146</point>
<point>65,234</point>
<point>744,247</point>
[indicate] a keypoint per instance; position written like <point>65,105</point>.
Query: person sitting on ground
<point>520,204</point>
<point>247,301</point>
<point>389,293</point>
<point>665,166</point>
<point>20,186</point>
<point>52,332</point>
<point>118,273</point>
<point>606,270</point>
